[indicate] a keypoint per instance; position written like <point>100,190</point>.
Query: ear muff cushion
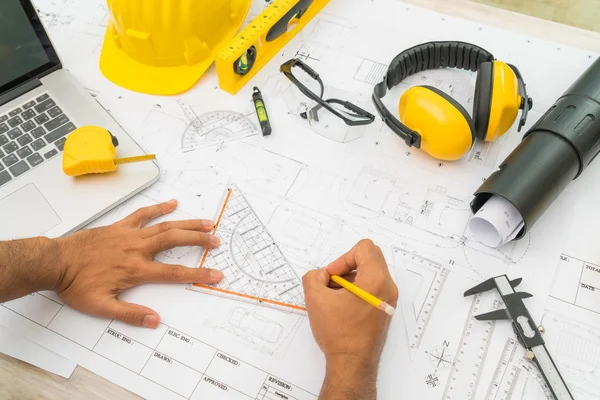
<point>482,103</point>
<point>445,127</point>
<point>456,104</point>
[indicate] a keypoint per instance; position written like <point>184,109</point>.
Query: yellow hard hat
<point>163,47</point>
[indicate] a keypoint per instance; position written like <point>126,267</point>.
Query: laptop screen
<point>25,49</point>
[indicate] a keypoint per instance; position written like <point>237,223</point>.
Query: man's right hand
<point>350,332</point>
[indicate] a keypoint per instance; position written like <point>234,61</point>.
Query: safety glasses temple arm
<point>410,137</point>
<point>356,109</point>
<point>363,117</point>
<point>287,67</point>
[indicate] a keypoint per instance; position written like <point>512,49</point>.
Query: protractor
<point>216,127</point>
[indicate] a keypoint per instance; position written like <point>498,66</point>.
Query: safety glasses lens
<point>297,102</point>
<point>329,125</point>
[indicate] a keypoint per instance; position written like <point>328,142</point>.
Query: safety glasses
<point>335,119</point>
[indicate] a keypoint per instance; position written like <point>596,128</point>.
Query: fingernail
<point>150,321</point>
<point>216,275</point>
<point>208,224</point>
<point>215,241</point>
<point>172,202</point>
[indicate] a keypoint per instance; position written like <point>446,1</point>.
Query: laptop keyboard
<point>30,135</point>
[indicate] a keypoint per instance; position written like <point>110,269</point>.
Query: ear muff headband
<point>482,101</point>
<point>432,55</point>
<point>435,55</point>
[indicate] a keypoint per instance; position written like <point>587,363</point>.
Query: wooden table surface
<point>19,380</point>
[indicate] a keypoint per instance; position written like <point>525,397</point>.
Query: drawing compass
<point>528,333</point>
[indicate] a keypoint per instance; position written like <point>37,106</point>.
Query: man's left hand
<point>97,265</point>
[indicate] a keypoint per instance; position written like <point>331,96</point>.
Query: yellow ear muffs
<point>497,100</point>
<point>446,129</point>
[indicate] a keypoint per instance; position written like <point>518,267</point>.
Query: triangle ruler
<point>254,268</point>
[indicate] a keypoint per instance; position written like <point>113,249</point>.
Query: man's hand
<point>350,332</point>
<point>97,265</point>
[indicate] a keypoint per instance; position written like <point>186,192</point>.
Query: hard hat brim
<point>122,70</point>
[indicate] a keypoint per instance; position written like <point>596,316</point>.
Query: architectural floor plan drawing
<point>308,238</point>
<point>261,329</point>
<point>429,217</point>
<point>309,199</point>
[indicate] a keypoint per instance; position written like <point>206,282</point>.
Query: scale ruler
<point>474,344</point>
<point>189,112</point>
<point>427,310</point>
<point>506,374</point>
<point>509,371</point>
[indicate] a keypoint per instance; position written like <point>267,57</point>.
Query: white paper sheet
<point>497,222</point>
<point>14,345</point>
<point>317,198</point>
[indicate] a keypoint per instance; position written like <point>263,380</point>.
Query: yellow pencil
<point>366,296</point>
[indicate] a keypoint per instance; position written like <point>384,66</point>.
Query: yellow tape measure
<point>92,150</point>
<point>240,60</point>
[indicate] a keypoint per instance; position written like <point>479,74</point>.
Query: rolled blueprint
<point>554,152</point>
<point>496,223</point>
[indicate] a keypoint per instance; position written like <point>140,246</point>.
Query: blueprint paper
<point>317,198</point>
<point>247,344</point>
<point>32,353</point>
<point>572,317</point>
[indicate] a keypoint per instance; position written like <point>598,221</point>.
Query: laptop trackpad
<point>26,213</point>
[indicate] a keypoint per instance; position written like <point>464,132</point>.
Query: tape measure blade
<point>129,160</point>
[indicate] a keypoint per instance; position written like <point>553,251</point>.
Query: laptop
<point>40,104</point>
